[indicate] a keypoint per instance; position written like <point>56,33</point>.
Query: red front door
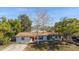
<point>33,38</point>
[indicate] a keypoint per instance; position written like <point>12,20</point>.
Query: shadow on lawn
<point>47,46</point>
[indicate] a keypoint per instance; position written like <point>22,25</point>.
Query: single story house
<point>26,37</point>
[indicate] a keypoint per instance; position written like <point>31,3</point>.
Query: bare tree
<point>42,20</point>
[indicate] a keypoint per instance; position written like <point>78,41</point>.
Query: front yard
<point>3,47</point>
<point>70,47</point>
<point>52,47</point>
<point>62,46</point>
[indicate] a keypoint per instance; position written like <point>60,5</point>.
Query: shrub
<point>4,41</point>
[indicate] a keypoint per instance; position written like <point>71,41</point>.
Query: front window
<point>55,36</point>
<point>49,37</point>
<point>22,38</point>
<point>59,36</point>
<point>40,37</point>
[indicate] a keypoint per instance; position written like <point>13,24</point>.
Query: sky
<point>55,13</point>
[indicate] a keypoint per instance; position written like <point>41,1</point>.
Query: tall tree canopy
<point>10,27</point>
<point>26,23</point>
<point>5,28</point>
<point>68,26</point>
<point>15,26</point>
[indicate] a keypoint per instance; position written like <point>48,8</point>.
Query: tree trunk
<point>69,38</point>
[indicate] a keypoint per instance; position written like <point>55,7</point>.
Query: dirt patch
<point>15,47</point>
<point>70,47</point>
<point>3,46</point>
<point>52,47</point>
<point>42,47</point>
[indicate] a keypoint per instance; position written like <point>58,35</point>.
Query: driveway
<point>15,47</point>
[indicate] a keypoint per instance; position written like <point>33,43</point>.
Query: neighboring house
<point>26,37</point>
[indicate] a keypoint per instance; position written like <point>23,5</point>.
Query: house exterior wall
<point>44,37</point>
<point>51,39</point>
<point>26,40</point>
<point>57,38</point>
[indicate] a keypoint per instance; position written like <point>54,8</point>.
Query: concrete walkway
<point>15,47</point>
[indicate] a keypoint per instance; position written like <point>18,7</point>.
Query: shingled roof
<point>30,34</point>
